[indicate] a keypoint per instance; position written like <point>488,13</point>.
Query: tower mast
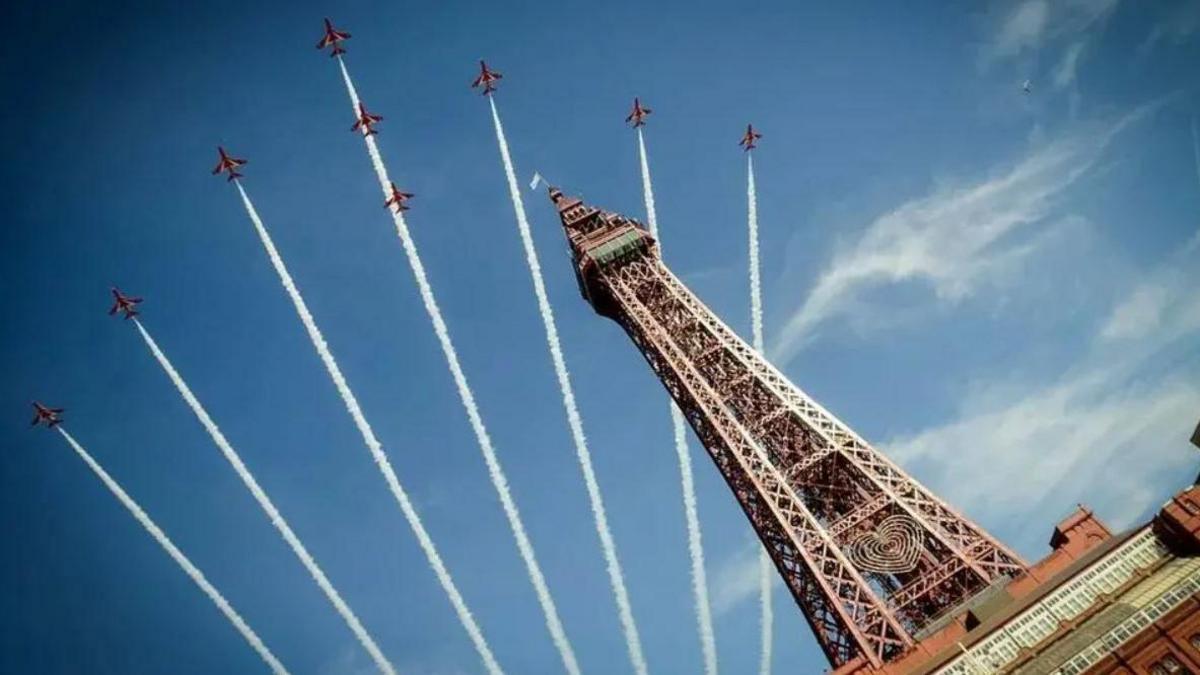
<point>871,556</point>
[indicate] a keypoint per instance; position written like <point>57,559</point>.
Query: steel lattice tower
<point>871,556</point>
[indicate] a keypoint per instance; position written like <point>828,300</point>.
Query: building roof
<point>1131,602</point>
<point>1018,605</point>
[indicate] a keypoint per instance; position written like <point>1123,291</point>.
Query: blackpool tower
<point>872,557</point>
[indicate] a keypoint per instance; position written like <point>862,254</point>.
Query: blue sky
<point>996,288</point>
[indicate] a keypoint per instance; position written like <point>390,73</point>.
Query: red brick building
<point>1099,603</point>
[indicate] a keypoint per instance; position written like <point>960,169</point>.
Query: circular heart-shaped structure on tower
<point>893,547</point>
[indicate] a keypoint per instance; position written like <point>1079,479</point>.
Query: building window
<point>1169,665</point>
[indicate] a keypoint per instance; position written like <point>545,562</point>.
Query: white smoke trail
<point>190,569</point>
<point>765,568</point>
<point>756,312</point>
<point>495,472</point>
<point>633,640</point>
<point>704,624</point>
<point>372,443</point>
<point>264,501</point>
<point>647,190</point>
<point>708,639</point>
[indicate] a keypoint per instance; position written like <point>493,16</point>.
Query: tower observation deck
<point>873,559</point>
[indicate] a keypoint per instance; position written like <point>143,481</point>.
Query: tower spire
<point>870,556</point>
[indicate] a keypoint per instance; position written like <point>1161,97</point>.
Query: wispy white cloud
<point>1068,67</point>
<point>1023,28</point>
<point>1032,25</point>
<point>1042,451</point>
<point>1138,314</point>
<point>1161,308</point>
<point>956,238</point>
<point>1119,418</point>
<point>1028,30</point>
<point>736,579</point>
<point>1177,22</point>
<point>1081,15</point>
<point>1165,305</point>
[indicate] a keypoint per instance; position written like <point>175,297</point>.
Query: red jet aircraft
<point>487,78</point>
<point>227,163</point>
<point>365,120</point>
<point>122,303</point>
<point>638,116</point>
<point>49,416</point>
<point>750,137</point>
<point>333,37</point>
<point>398,199</point>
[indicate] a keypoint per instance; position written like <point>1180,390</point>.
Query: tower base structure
<point>1099,603</point>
